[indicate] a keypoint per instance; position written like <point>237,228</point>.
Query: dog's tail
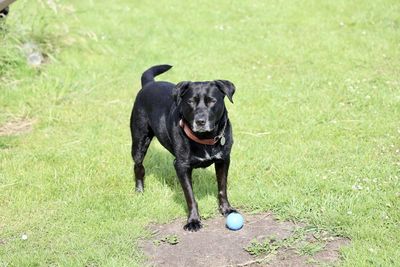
<point>148,75</point>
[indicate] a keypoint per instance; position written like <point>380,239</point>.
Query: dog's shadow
<point>159,164</point>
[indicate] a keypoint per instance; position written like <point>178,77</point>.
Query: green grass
<point>316,122</point>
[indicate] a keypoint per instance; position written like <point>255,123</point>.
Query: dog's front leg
<point>221,170</point>
<point>184,172</point>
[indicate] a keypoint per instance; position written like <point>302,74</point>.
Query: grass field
<point>316,122</point>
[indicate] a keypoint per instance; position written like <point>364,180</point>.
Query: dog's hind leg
<point>142,135</point>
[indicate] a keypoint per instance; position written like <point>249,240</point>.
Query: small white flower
<point>24,237</point>
<point>357,187</point>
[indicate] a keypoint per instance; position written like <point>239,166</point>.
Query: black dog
<point>191,121</point>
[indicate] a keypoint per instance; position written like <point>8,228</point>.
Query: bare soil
<point>16,126</point>
<point>215,245</point>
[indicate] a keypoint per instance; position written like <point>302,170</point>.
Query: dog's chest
<point>205,157</point>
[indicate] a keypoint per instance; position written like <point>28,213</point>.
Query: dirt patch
<point>17,126</point>
<point>262,241</point>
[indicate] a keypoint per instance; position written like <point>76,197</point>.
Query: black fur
<point>158,108</point>
<point>4,12</point>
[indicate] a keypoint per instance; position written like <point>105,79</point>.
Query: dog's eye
<point>190,102</point>
<point>212,101</point>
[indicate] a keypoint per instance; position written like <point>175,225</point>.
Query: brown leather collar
<point>189,133</point>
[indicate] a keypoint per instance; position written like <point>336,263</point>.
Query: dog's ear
<point>226,87</point>
<point>179,90</point>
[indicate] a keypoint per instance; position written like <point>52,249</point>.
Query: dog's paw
<point>225,211</point>
<point>193,226</point>
<point>139,187</point>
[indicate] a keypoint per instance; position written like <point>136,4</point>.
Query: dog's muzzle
<point>201,126</point>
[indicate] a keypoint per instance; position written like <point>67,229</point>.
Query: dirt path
<point>275,243</point>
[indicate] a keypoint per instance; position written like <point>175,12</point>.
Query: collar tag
<point>222,140</point>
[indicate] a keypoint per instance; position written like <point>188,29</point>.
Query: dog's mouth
<point>206,128</point>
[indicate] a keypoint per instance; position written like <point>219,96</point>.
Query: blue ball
<point>234,221</point>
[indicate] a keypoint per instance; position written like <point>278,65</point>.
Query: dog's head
<point>202,103</point>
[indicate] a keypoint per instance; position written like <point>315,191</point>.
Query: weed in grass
<point>257,248</point>
<point>298,241</point>
<point>307,248</point>
<point>169,239</point>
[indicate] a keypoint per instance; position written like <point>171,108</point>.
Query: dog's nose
<point>200,122</point>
